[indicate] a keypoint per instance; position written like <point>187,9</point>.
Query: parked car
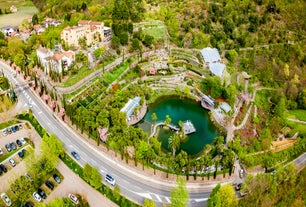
<point>42,193</point>
<point>75,155</point>
<point>73,198</point>
<point>9,131</point>
<point>4,132</point>
<point>1,171</point>
<point>20,126</point>
<point>110,179</point>
<point>29,177</point>
<point>13,146</point>
<point>241,171</point>
<point>23,141</point>
<point>28,204</point>
<point>57,178</point>
<point>8,147</point>
<point>1,151</point>
<point>16,127</point>
<point>36,196</point>
<point>21,153</point>
<point>3,168</point>
<point>238,186</point>
<point>6,199</point>
<point>49,184</point>
<point>12,162</point>
<point>19,143</point>
<point>13,129</point>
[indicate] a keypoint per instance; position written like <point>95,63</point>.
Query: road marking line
<point>201,199</point>
<point>146,195</point>
<point>40,112</point>
<point>167,199</point>
<point>158,198</point>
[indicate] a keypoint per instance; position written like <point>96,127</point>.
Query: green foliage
<point>95,178</point>
<point>174,143</point>
<point>280,189</point>
<point>58,202</point>
<point>212,86</point>
<point>223,196</point>
<point>124,38</point>
<point>147,40</point>
<point>87,172</point>
<point>149,203</point>
<point>22,188</point>
<point>115,42</point>
<point>179,194</point>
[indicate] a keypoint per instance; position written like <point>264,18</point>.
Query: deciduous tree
<point>179,195</point>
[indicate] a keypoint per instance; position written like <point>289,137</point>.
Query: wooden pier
<point>188,127</point>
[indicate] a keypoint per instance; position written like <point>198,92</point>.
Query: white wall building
<point>55,60</point>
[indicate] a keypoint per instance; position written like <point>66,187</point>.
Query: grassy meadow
<point>25,9</point>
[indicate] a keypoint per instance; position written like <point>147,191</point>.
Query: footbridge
<point>162,123</point>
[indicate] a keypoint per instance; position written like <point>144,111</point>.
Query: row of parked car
<point>11,129</point>
<point>12,146</point>
<point>37,195</point>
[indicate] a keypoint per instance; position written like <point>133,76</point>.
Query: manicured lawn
<point>157,33</point>
<point>157,29</point>
<point>297,127</point>
<point>73,79</point>
<point>297,114</point>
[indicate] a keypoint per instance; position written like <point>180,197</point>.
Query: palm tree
<point>168,120</point>
<point>154,117</point>
<point>174,142</point>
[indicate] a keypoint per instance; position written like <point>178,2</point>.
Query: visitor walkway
<point>162,123</point>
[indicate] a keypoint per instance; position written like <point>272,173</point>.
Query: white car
<point>36,196</point>
<point>23,142</point>
<point>73,198</point>
<point>1,151</point>
<point>4,132</point>
<point>12,162</point>
<point>110,179</point>
<point>6,199</point>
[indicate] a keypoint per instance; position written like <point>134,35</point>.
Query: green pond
<point>182,109</point>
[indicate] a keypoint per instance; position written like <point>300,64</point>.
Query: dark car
<point>42,193</point>
<point>21,153</point>
<point>57,178</point>
<point>8,147</point>
<point>49,184</point>
<point>28,204</point>
<point>1,171</point>
<point>13,146</point>
<point>238,186</point>
<point>75,155</point>
<point>3,168</point>
<point>13,129</point>
<point>18,142</point>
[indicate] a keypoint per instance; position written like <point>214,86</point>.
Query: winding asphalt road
<point>133,185</point>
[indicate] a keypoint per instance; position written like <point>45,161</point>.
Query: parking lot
<point>70,184</point>
<point>19,169</point>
